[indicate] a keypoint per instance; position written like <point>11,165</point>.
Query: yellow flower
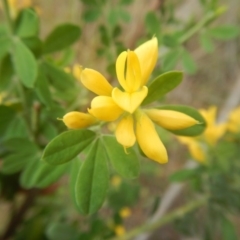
<point>76,120</point>
<point>211,135</point>
<point>125,212</point>
<point>213,131</point>
<point>196,148</point>
<point>116,181</point>
<point>16,5</point>
<point>233,124</point>
<point>133,70</point>
<point>119,230</point>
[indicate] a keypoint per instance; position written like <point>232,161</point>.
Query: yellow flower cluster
<point>233,124</point>
<point>122,104</point>
<point>213,132</point>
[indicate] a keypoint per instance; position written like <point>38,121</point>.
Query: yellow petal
<point>104,108</point>
<point>125,131</point>
<point>209,115</point>
<point>186,140</point>
<point>197,152</point>
<point>129,101</point>
<point>171,120</point>
<point>149,140</point>
<point>119,230</point>
<point>120,69</point>
<point>233,123</point>
<point>125,212</point>
<point>76,120</point>
<point>133,72</point>
<point>77,70</point>
<point>96,82</point>
<point>194,146</point>
<point>147,54</point>
<point>213,133</point>
<point>129,71</point>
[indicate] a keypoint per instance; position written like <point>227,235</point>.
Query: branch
<point>18,217</point>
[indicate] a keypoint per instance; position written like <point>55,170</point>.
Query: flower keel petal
<point>125,132</point>
<point>76,120</point>
<point>104,108</point>
<point>149,140</point>
<point>172,120</point>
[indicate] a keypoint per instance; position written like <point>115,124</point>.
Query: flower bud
<point>76,120</point>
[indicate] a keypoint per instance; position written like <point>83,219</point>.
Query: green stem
<point>7,16</point>
<point>25,113</point>
<point>206,19</point>
<point>180,212</point>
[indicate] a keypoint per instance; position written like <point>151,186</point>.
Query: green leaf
<point>224,32</point>
<point>21,151</point>
<point>24,63</point>
<point>7,114</point>
<point>182,175</point>
<point>47,174</point>
<point>67,146</point>
<point>15,162</point>
<point>124,15</point>
<point>61,231</point>
<point>28,176</point>
<point>75,166</point>
<point>206,42</point>
<point>40,174</point>
<point>162,85</point>
<point>7,71</point>
<point>17,128</point>
<point>170,41</point>
<point>61,37</point>
<point>34,44</point>
<point>115,15</point>
<point>190,131</point>
<point>126,164</point>
<point>28,23</point>
<point>4,45</point>
<point>126,2</point>
<point>92,183</point>
<point>170,59</point>
<point>228,230</point>
<point>92,14</point>
<point>153,24</point>
<point>104,35</point>
<point>59,78</point>
<point>21,145</point>
<point>188,63</point>
<point>42,89</point>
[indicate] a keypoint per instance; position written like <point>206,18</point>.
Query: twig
<point>166,219</point>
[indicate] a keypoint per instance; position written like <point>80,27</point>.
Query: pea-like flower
<point>233,124</point>
<point>122,104</point>
<point>213,132</point>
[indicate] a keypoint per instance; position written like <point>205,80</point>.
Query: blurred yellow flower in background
<point>233,123</point>
<point>125,212</point>
<point>213,131</point>
<point>16,5</point>
<point>119,230</point>
<point>116,181</point>
<point>198,145</point>
<point>133,70</point>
